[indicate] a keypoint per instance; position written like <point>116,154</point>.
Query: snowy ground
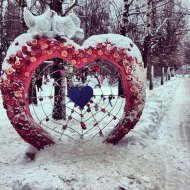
<point>154,156</point>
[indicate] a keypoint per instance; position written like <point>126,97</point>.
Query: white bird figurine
<point>79,31</point>
<point>63,26</point>
<point>38,25</point>
<point>75,19</point>
<point>68,26</point>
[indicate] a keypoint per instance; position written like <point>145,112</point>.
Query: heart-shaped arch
<point>27,53</point>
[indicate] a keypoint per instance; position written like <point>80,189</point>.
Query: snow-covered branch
<point>161,26</point>
<point>70,8</point>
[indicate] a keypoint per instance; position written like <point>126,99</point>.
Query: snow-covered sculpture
<point>68,26</point>
<point>63,26</point>
<point>38,25</point>
<point>79,31</point>
<point>27,53</point>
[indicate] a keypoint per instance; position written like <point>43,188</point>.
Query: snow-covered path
<point>153,156</point>
<point>174,138</point>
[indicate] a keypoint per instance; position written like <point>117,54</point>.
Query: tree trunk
<point>123,32</point>
<point>125,20</point>
<point>69,75</point>
<point>120,88</point>
<point>59,109</point>
<point>32,92</point>
<point>168,73</point>
<point>56,5</point>
<point>147,39</point>
<point>162,76</point>
<point>151,78</point>
<point>173,73</point>
<point>22,4</point>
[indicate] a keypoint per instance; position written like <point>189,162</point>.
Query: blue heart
<point>80,96</point>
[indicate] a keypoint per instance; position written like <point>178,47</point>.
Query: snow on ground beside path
<point>141,161</point>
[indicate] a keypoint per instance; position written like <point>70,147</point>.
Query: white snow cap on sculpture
<point>38,25</point>
<point>118,40</point>
<point>68,26</point>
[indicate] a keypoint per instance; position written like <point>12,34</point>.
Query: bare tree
<point>147,39</point>
<point>95,16</point>
<point>125,19</point>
